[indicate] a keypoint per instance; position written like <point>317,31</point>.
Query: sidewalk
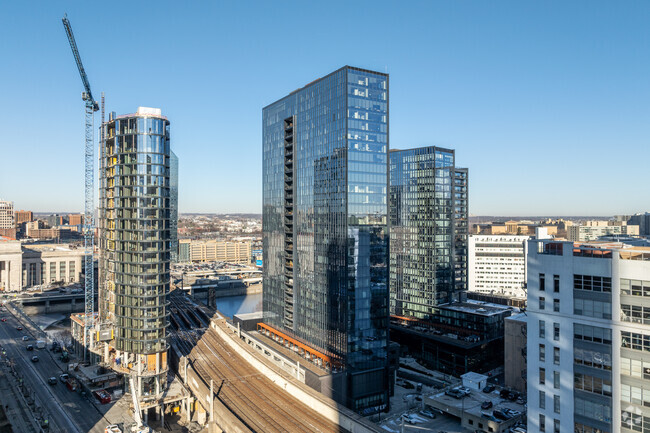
<point>13,408</point>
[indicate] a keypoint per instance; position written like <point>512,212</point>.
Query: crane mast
<point>89,171</point>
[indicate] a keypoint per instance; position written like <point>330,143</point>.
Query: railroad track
<point>256,401</point>
<point>243,389</point>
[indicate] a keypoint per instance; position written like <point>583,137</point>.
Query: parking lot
<point>446,409</point>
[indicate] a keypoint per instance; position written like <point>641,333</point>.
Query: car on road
<point>29,347</point>
<point>25,338</point>
<point>488,389</point>
<point>4,319</point>
<point>19,328</point>
<point>34,358</point>
<point>486,404</point>
<point>52,380</point>
<point>64,377</point>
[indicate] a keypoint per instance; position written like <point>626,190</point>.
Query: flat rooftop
<point>470,404</point>
<point>250,316</point>
<point>288,353</point>
<point>477,307</point>
<point>519,317</point>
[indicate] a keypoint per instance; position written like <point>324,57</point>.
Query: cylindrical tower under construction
<point>134,242</point>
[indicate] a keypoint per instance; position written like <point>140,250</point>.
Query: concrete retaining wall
<point>223,417</point>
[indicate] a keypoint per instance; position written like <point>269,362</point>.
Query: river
<point>230,305</point>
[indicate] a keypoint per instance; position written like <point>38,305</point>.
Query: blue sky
<point>547,103</point>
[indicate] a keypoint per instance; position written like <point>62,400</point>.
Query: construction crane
<point>89,209</point>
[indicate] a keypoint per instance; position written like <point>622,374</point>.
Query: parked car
<point>504,393</point>
<point>455,393</point>
<point>34,358</point>
<point>465,390</point>
<point>500,414</point>
<point>511,412</point>
<point>488,389</point>
<point>64,377</point>
<point>52,380</point>
<point>29,347</point>
<point>408,418</point>
<point>513,396</point>
<point>486,405</point>
<point>428,413</point>
<point>489,416</point>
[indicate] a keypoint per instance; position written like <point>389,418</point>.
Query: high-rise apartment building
<point>173,203</point>
<point>643,221</point>
<point>7,215</point>
<point>325,229</point>
<point>428,230</point>
<point>23,216</point>
<point>75,219</point>
<point>134,242</point>
<point>497,264</point>
<point>588,351</point>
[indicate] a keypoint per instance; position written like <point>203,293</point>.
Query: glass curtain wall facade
<point>134,243</point>
<point>428,231</point>
<point>173,195</point>
<point>325,226</point>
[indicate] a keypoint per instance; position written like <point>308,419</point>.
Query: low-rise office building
<point>215,251</point>
<point>592,230</point>
<point>459,338</point>
<point>23,266</point>
<point>514,342</point>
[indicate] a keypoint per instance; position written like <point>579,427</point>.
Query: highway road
<point>68,411</point>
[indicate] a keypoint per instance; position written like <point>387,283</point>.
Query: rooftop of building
<point>51,247</point>
<point>438,148</point>
<point>596,248</point>
<point>472,403</point>
<point>519,317</point>
<point>142,112</point>
<point>311,83</point>
<point>250,316</point>
<point>474,377</point>
<point>477,307</point>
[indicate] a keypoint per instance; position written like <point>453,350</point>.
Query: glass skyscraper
<point>135,239</point>
<point>428,231</point>
<point>325,175</point>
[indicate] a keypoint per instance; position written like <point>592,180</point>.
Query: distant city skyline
<point>544,103</point>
